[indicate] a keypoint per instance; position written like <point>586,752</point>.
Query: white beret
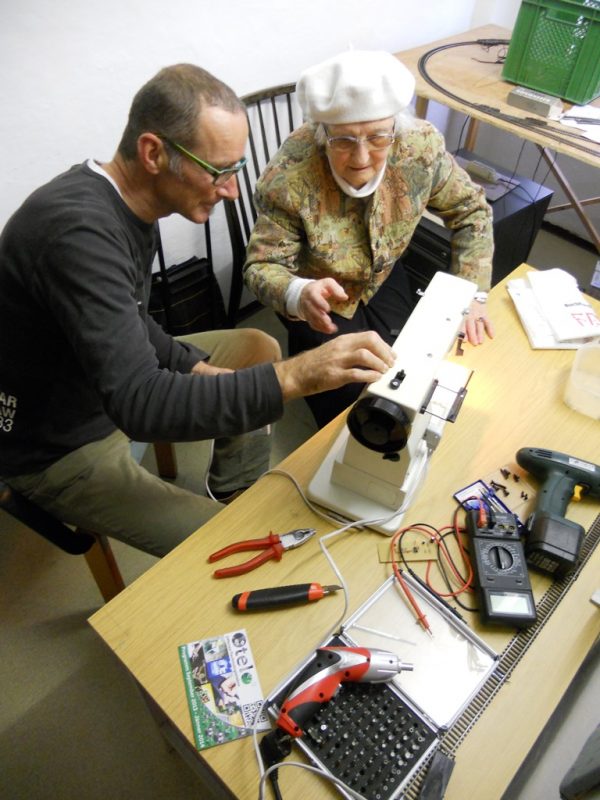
<point>355,86</point>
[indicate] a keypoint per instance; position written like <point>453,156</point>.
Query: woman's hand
<point>477,323</point>
<point>314,303</point>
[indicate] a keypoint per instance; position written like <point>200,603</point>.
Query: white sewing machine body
<point>379,460</point>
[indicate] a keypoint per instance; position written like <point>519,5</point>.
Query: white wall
<point>70,68</point>
<point>500,12</point>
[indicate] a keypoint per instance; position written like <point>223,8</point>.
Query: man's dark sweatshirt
<point>79,354</point>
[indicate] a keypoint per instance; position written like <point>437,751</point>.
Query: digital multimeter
<point>501,575</point>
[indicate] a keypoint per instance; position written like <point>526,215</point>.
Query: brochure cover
<point>222,687</point>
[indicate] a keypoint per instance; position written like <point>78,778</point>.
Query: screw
<point>500,486</point>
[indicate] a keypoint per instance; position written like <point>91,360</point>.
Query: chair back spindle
<point>272,115</point>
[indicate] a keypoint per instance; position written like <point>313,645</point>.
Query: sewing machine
<point>379,461</point>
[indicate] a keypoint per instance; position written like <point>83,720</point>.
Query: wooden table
<point>472,76</point>
<point>514,400</point>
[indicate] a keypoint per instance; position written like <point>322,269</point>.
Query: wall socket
<point>595,282</point>
<point>596,276</point>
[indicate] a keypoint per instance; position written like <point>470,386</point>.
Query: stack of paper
<point>554,313</point>
<point>586,119</point>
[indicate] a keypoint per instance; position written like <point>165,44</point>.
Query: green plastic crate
<point>555,48</point>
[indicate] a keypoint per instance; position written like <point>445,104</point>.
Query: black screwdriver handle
<point>279,596</point>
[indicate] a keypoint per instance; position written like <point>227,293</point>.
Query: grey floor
<point>72,724</point>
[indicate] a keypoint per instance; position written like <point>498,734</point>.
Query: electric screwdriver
<point>316,684</point>
<point>330,667</point>
<point>553,542</point>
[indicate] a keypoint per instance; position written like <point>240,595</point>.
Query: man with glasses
<point>84,368</point>
<point>219,176</point>
<point>339,202</point>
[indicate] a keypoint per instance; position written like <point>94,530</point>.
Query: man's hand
<point>314,303</point>
<point>351,358</point>
<point>204,368</point>
<point>477,323</point>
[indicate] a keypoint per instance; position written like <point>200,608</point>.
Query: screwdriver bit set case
<point>375,737</point>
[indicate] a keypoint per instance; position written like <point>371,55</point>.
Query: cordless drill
<point>331,667</point>
<point>318,682</point>
<point>553,542</point>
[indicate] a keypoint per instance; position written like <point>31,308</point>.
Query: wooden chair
<point>166,459</point>
<point>272,115</point>
<point>94,546</point>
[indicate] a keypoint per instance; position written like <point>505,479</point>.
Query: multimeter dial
<point>502,558</point>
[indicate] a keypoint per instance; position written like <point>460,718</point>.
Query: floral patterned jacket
<point>307,227</point>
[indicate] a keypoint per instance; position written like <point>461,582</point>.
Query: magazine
<point>222,688</point>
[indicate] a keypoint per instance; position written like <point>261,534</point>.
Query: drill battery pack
<point>553,545</point>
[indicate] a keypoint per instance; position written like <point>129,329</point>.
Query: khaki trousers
<point>101,487</point>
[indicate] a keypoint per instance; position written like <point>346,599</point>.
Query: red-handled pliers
<point>274,546</point>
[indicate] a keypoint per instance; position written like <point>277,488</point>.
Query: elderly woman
<point>339,202</point>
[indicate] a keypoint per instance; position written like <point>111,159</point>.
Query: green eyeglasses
<point>219,176</point>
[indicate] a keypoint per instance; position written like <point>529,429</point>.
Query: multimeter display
<point>510,603</point>
<point>502,578</point>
